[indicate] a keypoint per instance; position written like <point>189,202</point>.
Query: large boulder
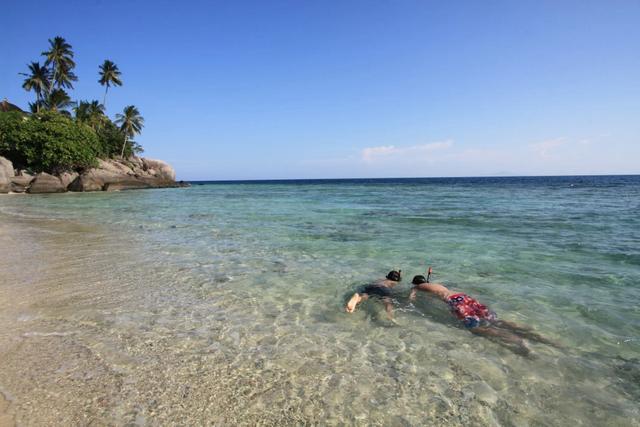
<point>20,183</point>
<point>133,173</point>
<point>116,167</point>
<point>95,179</point>
<point>92,180</point>
<point>45,183</point>
<point>68,177</point>
<point>160,169</point>
<point>6,173</point>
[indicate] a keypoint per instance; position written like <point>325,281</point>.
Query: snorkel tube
<point>429,274</point>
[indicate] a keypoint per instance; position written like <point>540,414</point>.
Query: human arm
<point>354,301</point>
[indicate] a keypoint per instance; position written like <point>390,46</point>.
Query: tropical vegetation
<point>59,134</point>
<point>48,142</point>
<point>131,123</point>
<point>109,75</point>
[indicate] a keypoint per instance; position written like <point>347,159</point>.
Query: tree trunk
<point>53,79</point>
<point>124,144</point>
<point>104,99</point>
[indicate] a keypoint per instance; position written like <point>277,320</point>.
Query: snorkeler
<point>381,288</point>
<point>477,317</point>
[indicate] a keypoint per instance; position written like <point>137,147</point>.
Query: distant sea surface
<point>223,303</point>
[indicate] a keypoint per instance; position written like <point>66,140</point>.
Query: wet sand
<point>75,349</point>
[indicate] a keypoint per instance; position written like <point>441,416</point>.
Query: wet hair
<point>418,280</point>
<point>395,275</point>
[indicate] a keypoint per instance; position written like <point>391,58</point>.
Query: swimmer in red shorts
<point>477,317</point>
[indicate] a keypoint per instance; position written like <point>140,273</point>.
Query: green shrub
<point>111,140</point>
<point>47,142</point>
<point>11,137</point>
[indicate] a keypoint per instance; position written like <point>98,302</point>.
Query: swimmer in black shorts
<point>381,288</point>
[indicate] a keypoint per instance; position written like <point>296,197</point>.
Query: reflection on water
<point>222,304</point>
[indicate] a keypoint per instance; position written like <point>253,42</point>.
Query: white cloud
<point>553,156</point>
<point>370,154</point>
<point>412,152</point>
<point>545,148</point>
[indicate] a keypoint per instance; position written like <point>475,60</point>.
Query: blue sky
<point>328,89</point>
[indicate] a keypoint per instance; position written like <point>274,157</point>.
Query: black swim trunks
<point>381,291</point>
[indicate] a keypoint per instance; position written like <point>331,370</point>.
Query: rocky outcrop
<point>20,184</point>
<point>132,173</point>
<point>6,173</point>
<point>45,183</point>
<point>159,169</point>
<point>131,184</point>
<point>109,175</point>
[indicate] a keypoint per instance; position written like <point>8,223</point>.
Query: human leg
<point>509,339</point>
<point>524,332</point>
<point>388,306</point>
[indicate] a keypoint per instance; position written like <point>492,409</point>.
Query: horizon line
<point>414,177</point>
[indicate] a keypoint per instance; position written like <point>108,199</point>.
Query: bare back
<point>434,288</point>
<point>385,283</point>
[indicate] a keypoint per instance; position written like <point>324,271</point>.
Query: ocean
<point>223,303</point>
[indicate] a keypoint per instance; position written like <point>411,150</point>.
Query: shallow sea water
<point>223,304</point>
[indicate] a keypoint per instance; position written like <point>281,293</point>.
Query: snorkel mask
<point>394,275</point>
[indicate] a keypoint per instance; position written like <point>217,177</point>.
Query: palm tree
<point>37,80</point>
<point>82,111</point>
<point>96,109</point>
<point>91,113</point>
<point>64,77</point>
<point>131,123</point>
<point>109,75</point>
<point>96,114</point>
<point>60,56</point>
<point>34,107</point>
<point>59,100</point>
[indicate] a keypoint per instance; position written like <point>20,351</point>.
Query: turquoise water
<point>256,275</point>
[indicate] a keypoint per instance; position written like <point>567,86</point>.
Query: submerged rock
<point>484,393</point>
<point>126,184</point>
